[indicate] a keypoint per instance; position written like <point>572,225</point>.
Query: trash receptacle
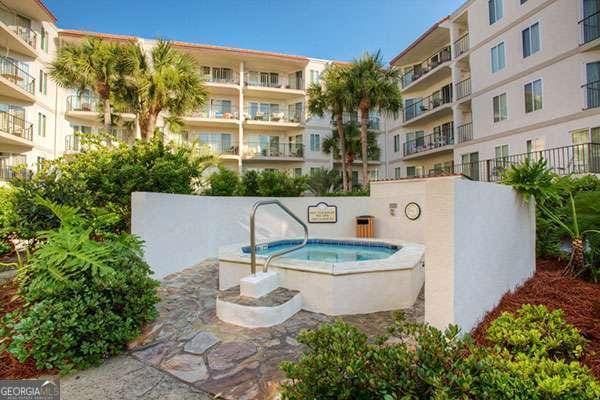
<point>364,226</point>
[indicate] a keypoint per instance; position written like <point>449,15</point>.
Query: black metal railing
<point>281,150</point>
<point>9,18</point>
<point>590,28</point>
<point>8,172</point>
<point>575,159</point>
<point>461,46</point>
<point>592,94</point>
<point>464,132</point>
<point>444,137</point>
<point>17,75</point>
<point>420,70</point>
<point>16,126</point>
<point>373,122</point>
<point>221,147</point>
<point>83,103</point>
<point>463,88</point>
<point>428,103</point>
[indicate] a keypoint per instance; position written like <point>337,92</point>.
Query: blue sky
<point>330,29</point>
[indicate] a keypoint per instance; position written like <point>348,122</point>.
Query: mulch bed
<point>579,300</point>
<point>10,367</point>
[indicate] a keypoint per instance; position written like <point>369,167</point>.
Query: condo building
<point>499,81</point>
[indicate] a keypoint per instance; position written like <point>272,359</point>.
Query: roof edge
<point>419,39</point>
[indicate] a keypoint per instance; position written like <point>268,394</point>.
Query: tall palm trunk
<point>364,124</point>
<point>577,256</point>
<point>349,164</point>
<point>147,126</point>
<point>107,117</point>
<point>340,129</point>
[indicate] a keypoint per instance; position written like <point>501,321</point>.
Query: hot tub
<point>337,276</point>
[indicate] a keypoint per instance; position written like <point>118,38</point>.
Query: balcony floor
<point>211,122</point>
<point>7,139</point>
<point>11,40</point>
<point>427,153</point>
<point>273,125</point>
<point>273,93</point>
<point>12,90</point>
<point>438,112</point>
<point>432,78</point>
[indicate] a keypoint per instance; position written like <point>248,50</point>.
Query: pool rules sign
<point>322,213</point>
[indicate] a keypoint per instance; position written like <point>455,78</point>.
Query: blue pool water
<point>329,250</point>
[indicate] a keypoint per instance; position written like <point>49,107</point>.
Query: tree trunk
<point>364,123</point>
<point>577,256</point>
<point>107,116</point>
<point>342,136</point>
<point>349,164</point>
<point>147,126</point>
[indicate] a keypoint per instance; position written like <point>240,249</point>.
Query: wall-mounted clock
<point>412,211</point>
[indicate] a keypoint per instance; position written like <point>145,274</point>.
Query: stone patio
<point>188,353</point>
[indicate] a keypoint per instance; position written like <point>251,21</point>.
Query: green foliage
<point>85,298</point>
<point>6,217</point>
<point>532,178</point>
<point>537,332</point>
<point>250,183</point>
<point>275,183</point>
<point>223,182</point>
<point>425,363</point>
<point>104,176</point>
<point>322,182</point>
<point>331,145</point>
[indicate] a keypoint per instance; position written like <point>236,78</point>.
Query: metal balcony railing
<point>272,80</point>
<point>221,147</point>
<point>590,28</point>
<point>25,33</point>
<point>463,88</point>
<point>464,132</point>
<point>8,172</point>
<point>429,142</point>
<point>230,112</point>
<point>83,103</point>
<point>14,73</point>
<point>278,150</point>
<point>592,94</point>
<point>283,114</point>
<point>420,70</point>
<point>16,126</point>
<point>461,46</point>
<point>223,77</point>
<point>428,103</point>
<point>72,143</point>
<point>373,123</point>
<point>575,159</point>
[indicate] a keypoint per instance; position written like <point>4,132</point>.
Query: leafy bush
<point>223,182</point>
<point>85,298</point>
<point>250,184</point>
<point>6,216</point>
<point>424,363</point>
<point>322,182</point>
<point>267,183</point>
<point>104,176</point>
<point>536,332</point>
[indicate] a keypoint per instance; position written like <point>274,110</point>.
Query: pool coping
<point>408,257</point>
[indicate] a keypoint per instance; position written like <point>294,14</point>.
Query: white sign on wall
<point>322,213</point>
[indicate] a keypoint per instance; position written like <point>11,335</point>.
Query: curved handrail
<point>253,235</point>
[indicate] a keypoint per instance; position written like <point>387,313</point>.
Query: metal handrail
<point>256,206</point>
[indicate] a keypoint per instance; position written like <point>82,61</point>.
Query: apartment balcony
<point>433,143</point>
<point>434,106</point>
<point>373,123</point>
<point>434,68</point>
<point>72,144</point>
<point>464,132</point>
<point>589,29</point>
<point>9,172</point>
<point>20,39</point>
<point>461,46</point>
<point>273,86</point>
<point>15,131</point>
<point>89,108</point>
<point>592,94</point>
<point>224,149</point>
<point>462,89</point>
<point>273,151</point>
<point>15,82</point>
<point>222,83</point>
<point>575,159</point>
<point>219,117</point>
<point>283,118</point>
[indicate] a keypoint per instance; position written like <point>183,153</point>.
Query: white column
<point>241,117</point>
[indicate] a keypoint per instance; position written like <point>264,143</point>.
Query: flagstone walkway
<point>188,353</point>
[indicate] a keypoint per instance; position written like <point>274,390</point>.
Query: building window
<point>315,76</point>
<point>354,178</point>
<point>498,57</point>
<point>40,162</point>
<point>41,125</point>
<point>411,172</point>
<point>531,40</point>
<point>313,170</point>
<point>315,142</point>
<point>396,143</point>
<point>496,10</point>
<point>297,172</point>
<point>470,165</point>
<point>533,96</point>
<point>397,173</point>
<point>44,40</point>
<point>500,108</point>
<point>43,82</point>
<point>523,1</point>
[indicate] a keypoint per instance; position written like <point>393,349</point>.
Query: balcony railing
<point>8,172</point>
<point>427,104</point>
<point>282,115</point>
<point>221,147</point>
<point>464,133</point>
<point>232,78</point>
<point>72,143</point>
<point>16,126</point>
<point>25,33</point>
<point>217,113</point>
<point>14,73</point>
<point>590,28</point>
<point>575,159</point>
<point>461,46</point>
<point>277,82</point>
<point>429,142</point>
<point>373,123</point>
<point>278,150</point>
<point>592,94</point>
<point>420,70</point>
<point>463,89</point>
<point>83,103</point>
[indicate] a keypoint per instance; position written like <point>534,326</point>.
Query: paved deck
<point>188,353</point>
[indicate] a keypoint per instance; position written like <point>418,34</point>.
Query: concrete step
<point>269,310</point>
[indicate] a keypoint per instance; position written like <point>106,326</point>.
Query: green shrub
<point>104,177</point>
<point>223,182</point>
<point>250,183</point>
<point>272,183</point>
<point>86,298</point>
<point>536,332</point>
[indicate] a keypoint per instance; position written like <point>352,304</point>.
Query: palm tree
<point>332,97</point>
<point>373,87</point>
<point>353,146</point>
<point>322,182</point>
<point>165,80</point>
<point>91,65</point>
